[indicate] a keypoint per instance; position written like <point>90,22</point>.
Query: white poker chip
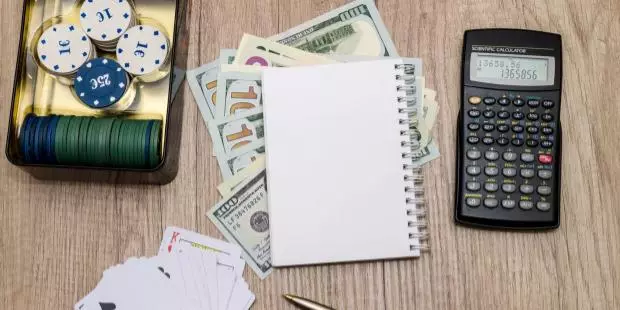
<point>106,20</point>
<point>142,50</point>
<point>64,48</point>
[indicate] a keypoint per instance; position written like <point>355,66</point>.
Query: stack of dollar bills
<point>228,92</point>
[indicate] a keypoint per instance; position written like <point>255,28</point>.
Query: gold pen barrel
<point>305,303</point>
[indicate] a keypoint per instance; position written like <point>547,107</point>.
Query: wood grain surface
<point>57,238</point>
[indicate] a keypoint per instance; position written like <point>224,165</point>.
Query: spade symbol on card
<point>107,306</point>
<point>161,269</point>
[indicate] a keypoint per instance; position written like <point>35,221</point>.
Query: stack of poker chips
<point>63,48</point>
<point>89,141</point>
<point>106,21</point>
<point>100,83</point>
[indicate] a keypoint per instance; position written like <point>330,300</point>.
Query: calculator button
<point>489,113</point>
<point>491,187</point>
<point>489,101</point>
<point>526,205</point>
<point>474,113</point>
<point>518,115</point>
<point>473,186</point>
<point>491,155</point>
<point>543,206</point>
<point>509,188</point>
<point>510,156</point>
<point>517,142</point>
<point>473,170</point>
<point>548,104</point>
<point>532,143</point>
<point>532,116</point>
<point>532,103</point>
<point>475,100</point>
<point>546,144</point>
<point>473,140</point>
<point>473,202</point>
<point>532,130</point>
<point>527,157</point>
<point>488,127</point>
<point>504,101</point>
<point>544,174</point>
<point>547,130</point>
<point>487,140</point>
<point>527,173</point>
<point>518,102</point>
<point>491,203</point>
<point>545,159</point>
<point>474,154</point>
<point>502,141</point>
<point>547,117</point>
<point>503,114</point>
<point>517,128</point>
<point>544,190</point>
<point>509,204</point>
<point>473,126</point>
<point>491,171</point>
<point>509,172</point>
<point>503,128</point>
<point>526,189</point>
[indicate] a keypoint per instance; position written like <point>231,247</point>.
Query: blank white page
<point>334,164</point>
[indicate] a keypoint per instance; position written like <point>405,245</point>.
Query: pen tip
<point>287,296</point>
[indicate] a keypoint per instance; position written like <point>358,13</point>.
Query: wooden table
<point>56,239</point>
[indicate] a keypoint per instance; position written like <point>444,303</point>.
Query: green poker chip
<point>114,142</point>
<point>73,138</point>
<point>60,148</point>
<point>154,154</point>
<point>84,140</point>
<point>103,142</point>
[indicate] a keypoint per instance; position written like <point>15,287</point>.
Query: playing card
<point>138,285</point>
<point>191,272</point>
<point>226,278</point>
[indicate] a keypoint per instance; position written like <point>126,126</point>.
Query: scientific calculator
<point>509,144</point>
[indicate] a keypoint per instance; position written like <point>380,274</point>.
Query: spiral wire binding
<point>413,178</point>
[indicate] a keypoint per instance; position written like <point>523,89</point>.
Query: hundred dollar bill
<point>243,219</point>
<point>229,185</point>
<point>255,51</point>
<point>240,92</point>
<point>426,154</point>
<point>203,83</point>
<point>429,113</point>
<point>238,161</point>
<point>353,29</point>
<point>234,140</point>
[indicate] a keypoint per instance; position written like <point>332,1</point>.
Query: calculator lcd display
<point>512,70</point>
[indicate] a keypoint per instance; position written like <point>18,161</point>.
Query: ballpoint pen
<point>305,303</point>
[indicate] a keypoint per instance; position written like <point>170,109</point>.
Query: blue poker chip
<point>100,83</point>
<point>50,140</point>
<point>39,135</point>
<point>24,136</point>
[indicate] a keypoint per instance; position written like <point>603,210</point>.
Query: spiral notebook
<point>341,181</point>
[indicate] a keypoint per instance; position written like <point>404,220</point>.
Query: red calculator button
<point>545,159</point>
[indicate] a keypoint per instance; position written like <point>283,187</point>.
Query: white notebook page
<point>334,164</point>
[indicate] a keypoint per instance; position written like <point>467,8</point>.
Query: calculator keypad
<point>510,170</point>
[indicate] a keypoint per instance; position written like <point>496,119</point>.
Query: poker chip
<point>63,48</point>
<point>142,50</point>
<point>89,141</point>
<point>105,21</point>
<point>101,83</point>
